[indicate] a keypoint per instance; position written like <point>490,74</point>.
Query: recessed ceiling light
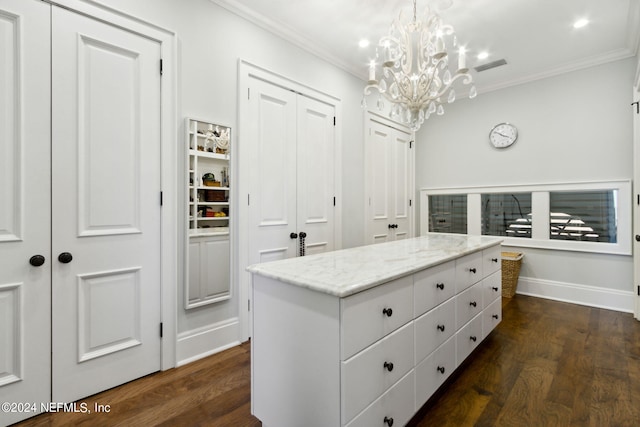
<point>580,23</point>
<point>363,43</point>
<point>483,55</point>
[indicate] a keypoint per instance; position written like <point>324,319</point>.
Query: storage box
<point>511,262</point>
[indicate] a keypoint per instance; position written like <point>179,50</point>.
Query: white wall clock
<point>503,135</point>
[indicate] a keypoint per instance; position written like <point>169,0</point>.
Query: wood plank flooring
<point>547,364</point>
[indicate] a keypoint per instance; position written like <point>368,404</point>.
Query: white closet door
<point>272,204</point>
<point>106,206</point>
<point>389,179</point>
<point>25,227</point>
<point>315,174</point>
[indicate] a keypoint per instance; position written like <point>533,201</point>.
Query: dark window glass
<point>448,213</point>
<point>506,214</point>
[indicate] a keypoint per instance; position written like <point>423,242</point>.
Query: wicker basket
<point>511,262</point>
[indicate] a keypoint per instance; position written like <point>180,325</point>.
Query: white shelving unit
<point>209,192</point>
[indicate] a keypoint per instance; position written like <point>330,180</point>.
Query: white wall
<point>573,127</point>
<point>210,42</point>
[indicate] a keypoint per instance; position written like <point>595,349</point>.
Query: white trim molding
<point>202,342</point>
<point>591,296</point>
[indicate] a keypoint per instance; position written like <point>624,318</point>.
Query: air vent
<point>490,65</point>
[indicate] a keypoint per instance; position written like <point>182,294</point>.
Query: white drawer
<point>395,407</point>
<point>434,370</point>
<point>491,260</point>
<point>433,286</point>
<point>491,316</point>
<point>434,328</point>
<point>468,304</point>
<point>371,372</point>
<point>468,338</point>
<point>492,288</point>
<point>369,315</point>
<point>468,270</point>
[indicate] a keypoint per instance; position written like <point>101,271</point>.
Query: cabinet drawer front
<point>491,260</point>
<point>434,328</point>
<point>369,315</point>
<point>434,370</point>
<point>371,372</point>
<point>433,286</point>
<point>397,404</point>
<point>492,288</point>
<point>491,316</point>
<point>468,304</point>
<point>468,338</point>
<point>468,271</point>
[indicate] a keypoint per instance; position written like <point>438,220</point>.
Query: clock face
<point>503,135</point>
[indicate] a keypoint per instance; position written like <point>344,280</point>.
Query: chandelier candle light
<point>415,75</point>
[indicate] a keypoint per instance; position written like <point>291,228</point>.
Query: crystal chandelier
<point>415,76</point>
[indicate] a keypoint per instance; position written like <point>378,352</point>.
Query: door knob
<point>293,235</point>
<point>637,237</point>
<point>65,257</point>
<point>36,260</point>
<point>303,234</point>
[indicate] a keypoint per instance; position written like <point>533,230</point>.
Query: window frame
<point>540,210</point>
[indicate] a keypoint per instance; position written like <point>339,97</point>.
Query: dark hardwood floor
<point>547,364</point>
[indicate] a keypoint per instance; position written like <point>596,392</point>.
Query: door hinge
<point>409,202</point>
<point>334,200</point>
<point>248,200</point>
<point>637,104</point>
<point>248,93</point>
<point>410,144</point>
<point>161,199</point>
<point>639,290</point>
<point>161,67</point>
<point>638,199</point>
<point>160,329</point>
<point>334,120</point>
<point>248,305</point>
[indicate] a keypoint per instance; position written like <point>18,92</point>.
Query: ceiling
<point>535,37</point>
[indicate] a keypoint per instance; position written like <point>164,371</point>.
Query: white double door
<point>292,180</point>
<point>79,205</point>
<point>388,182</point>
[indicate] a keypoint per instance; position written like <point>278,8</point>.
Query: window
<point>506,214</point>
<point>448,213</point>
<point>591,217</point>
<point>583,215</point>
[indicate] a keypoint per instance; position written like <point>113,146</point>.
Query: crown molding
<point>288,34</point>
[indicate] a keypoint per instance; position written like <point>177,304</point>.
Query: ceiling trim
<point>593,61</point>
<point>285,32</point>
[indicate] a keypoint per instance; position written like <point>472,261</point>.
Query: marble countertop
<point>348,271</point>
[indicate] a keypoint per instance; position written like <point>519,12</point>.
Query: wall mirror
<point>209,189</point>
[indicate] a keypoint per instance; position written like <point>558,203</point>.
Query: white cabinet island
<point>364,336</point>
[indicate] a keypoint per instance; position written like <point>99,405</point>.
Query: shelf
<point>214,188</point>
<point>208,155</point>
<point>213,218</point>
<point>213,203</point>
<point>206,232</point>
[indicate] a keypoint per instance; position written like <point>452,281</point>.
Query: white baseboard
<point>208,340</point>
<point>592,296</point>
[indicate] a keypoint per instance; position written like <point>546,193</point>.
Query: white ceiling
<point>535,37</point>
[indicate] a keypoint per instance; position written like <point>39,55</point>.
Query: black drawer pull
<point>388,366</point>
<point>494,288</point>
<point>495,316</point>
<point>387,311</point>
<point>388,421</point>
<point>473,338</point>
<point>440,286</point>
<point>441,328</point>
<point>441,369</point>
<point>494,259</point>
<point>473,270</point>
<point>473,304</point>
